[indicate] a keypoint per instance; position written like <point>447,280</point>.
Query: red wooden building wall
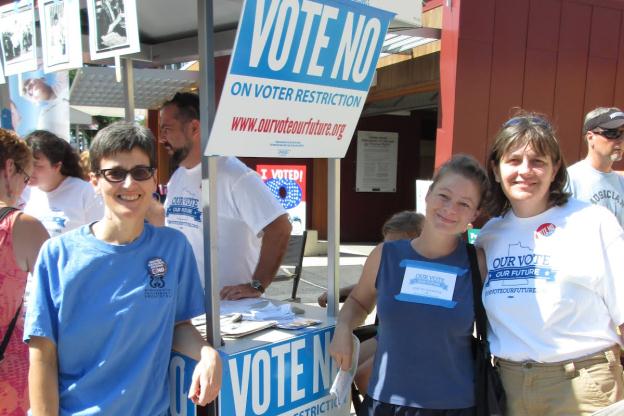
<point>558,57</point>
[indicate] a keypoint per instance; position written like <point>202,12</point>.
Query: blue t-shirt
<point>111,310</point>
<point>424,352</point>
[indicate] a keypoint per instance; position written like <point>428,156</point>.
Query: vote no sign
<point>298,78</point>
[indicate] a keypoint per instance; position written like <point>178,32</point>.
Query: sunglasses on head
<point>612,134</point>
<point>527,119</point>
<point>116,175</point>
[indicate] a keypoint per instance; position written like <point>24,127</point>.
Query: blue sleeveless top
<point>424,353</point>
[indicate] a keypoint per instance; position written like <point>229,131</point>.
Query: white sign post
<point>298,78</point>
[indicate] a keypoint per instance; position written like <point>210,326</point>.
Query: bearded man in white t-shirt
<point>252,228</point>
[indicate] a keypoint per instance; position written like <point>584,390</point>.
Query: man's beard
<point>179,155</point>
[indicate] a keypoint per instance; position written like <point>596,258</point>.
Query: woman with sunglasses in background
<point>593,178</point>
<point>553,292</point>
<point>21,237</point>
<point>423,364</point>
<point>58,196</point>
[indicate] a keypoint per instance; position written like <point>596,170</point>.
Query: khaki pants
<point>577,387</point>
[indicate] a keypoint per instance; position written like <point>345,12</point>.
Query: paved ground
<point>314,276</point>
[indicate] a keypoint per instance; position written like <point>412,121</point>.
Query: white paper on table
<point>270,312</point>
<point>342,384</point>
<point>240,306</point>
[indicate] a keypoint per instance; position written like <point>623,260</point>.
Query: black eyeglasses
<point>23,172</point>
<point>612,134</point>
<point>116,175</point>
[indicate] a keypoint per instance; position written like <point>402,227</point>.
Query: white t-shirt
<point>245,207</point>
<point>600,188</point>
<point>183,209</point>
<point>72,204</point>
<point>555,284</point>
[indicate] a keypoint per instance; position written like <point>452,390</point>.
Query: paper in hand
<point>342,384</point>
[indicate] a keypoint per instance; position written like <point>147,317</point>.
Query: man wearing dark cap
<point>593,179</point>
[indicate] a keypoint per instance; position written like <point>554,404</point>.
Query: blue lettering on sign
<point>424,279</point>
<point>270,380</point>
<point>333,43</point>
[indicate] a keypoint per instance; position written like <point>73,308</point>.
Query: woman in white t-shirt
<point>554,287</point>
<point>58,196</point>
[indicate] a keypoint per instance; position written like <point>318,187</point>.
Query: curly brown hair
<point>12,147</point>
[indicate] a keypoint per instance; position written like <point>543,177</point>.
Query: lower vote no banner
<point>287,183</point>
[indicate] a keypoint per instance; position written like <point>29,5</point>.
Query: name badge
<point>429,283</point>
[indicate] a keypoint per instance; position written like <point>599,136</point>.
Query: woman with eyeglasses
<point>58,196</point>
<point>554,287</point>
<point>112,298</point>
<point>21,236</point>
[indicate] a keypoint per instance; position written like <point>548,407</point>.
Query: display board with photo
<point>18,38</point>
<point>60,34</point>
<point>40,101</point>
<point>113,28</point>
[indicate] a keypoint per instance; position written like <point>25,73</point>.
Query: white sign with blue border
<point>429,283</point>
<point>298,78</point>
<point>291,377</point>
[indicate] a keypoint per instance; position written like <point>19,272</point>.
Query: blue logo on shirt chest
<point>185,206</point>
<point>156,288</point>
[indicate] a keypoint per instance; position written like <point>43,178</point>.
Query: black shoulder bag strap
<point>477,287</point>
<point>4,212</point>
<point>489,391</point>
<point>480,343</point>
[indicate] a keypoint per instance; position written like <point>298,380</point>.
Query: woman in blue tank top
<point>423,365</point>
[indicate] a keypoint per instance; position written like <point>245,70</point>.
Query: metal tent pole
<point>205,29</point>
<point>127,73</point>
<point>333,236</point>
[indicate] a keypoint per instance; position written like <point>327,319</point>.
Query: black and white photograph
<point>112,28</point>
<point>17,30</point>
<point>56,39</point>
<point>110,24</point>
<point>60,34</point>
